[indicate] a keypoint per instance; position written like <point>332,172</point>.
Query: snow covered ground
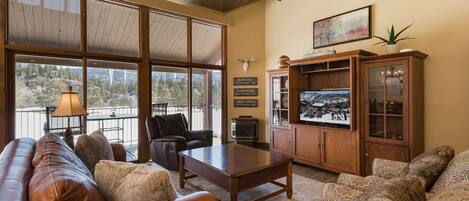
<point>327,118</point>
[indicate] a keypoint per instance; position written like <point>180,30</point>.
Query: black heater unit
<point>245,130</point>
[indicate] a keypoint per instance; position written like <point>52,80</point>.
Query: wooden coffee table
<point>236,168</point>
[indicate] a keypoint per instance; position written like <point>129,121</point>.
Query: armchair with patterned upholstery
<point>170,134</point>
<point>429,165</point>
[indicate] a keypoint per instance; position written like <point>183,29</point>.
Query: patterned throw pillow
<point>93,148</point>
<point>456,172</point>
<point>458,192</point>
<point>399,188</point>
<point>430,165</point>
<point>120,181</point>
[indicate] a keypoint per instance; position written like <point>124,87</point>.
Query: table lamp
<point>69,106</point>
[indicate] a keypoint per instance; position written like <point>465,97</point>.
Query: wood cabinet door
<point>306,143</point>
<point>280,140</point>
<point>340,150</point>
<point>386,98</point>
<point>384,151</point>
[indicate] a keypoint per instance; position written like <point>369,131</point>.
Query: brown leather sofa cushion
<point>59,174</point>
<point>16,169</point>
<point>50,144</point>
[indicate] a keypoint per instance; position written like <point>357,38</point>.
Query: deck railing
<point>30,122</point>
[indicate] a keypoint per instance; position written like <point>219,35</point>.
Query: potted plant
<point>391,42</point>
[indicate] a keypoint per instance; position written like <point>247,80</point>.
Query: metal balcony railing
<point>30,121</point>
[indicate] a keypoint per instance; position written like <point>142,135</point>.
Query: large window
<point>168,37</point>
<point>39,82</point>
<point>206,43</point>
<point>112,28</point>
<point>44,23</point>
<point>169,88</point>
<point>103,57</point>
<point>112,102</point>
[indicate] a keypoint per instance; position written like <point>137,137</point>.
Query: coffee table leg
<point>182,172</point>
<point>233,189</point>
<point>289,181</point>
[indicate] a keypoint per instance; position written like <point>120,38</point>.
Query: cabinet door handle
<point>319,146</point>
<point>366,155</point>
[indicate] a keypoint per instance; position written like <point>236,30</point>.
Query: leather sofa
<point>170,134</point>
<point>50,171</point>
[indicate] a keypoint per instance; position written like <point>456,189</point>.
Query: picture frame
<point>351,26</point>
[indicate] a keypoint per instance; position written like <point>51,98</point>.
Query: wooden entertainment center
<point>385,110</point>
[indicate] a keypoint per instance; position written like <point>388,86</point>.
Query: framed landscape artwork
<point>346,27</point>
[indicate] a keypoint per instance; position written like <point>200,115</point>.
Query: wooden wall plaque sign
<point>239,81</point>
<point>245,102</point>
<point>245,92</point>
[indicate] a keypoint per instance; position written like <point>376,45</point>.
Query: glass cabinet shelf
<point>385,94</point>
<point>279,100</point>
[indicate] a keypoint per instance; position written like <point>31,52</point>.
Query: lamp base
<point>68,138</point>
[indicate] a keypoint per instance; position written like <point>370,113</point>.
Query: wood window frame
<point>145,63</point>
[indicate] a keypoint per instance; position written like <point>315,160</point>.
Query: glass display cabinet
<point>393,107</point>
<point>279,100</point>
<point>278,106</point>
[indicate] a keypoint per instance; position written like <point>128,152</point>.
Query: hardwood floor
<point>314,173</point>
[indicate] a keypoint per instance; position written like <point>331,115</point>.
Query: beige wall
<point>245,40</point>
<point>441,31</point>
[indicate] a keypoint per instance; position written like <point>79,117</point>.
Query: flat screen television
<point>325,107</point>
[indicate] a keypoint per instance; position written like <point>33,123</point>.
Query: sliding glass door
<point>169,90</point>
<point>206,101</point>
<point>112,101</point>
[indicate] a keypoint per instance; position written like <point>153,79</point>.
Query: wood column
<point>189,72</point>
<point>3,77</point>
<point>144,85</point>
<point>224,84</point>
<point>208,124</point>
<point>84,48</point>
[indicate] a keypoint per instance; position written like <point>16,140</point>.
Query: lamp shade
<point>69,105</point>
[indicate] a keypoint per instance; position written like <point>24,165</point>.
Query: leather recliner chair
<point>170,134</point>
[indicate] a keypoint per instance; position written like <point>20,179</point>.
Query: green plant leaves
<point>393,37</point>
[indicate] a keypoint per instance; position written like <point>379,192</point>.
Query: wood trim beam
<point>111,57</point>
<point>10,99</point>
<point>84,48</point>
<point>3,77</point>
<point>42,51</point>
<point>189,59</point>
<point>144,84</point>
<point>67,53</point>
<point>224,102</point>
<point>83,27</point>
<point>208,99</point>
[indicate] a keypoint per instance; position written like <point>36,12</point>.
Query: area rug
<point>304,189</point>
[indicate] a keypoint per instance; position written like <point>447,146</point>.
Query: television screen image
<point>325,107</point>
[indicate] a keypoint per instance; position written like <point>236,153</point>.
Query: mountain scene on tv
<point>331,107</point>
